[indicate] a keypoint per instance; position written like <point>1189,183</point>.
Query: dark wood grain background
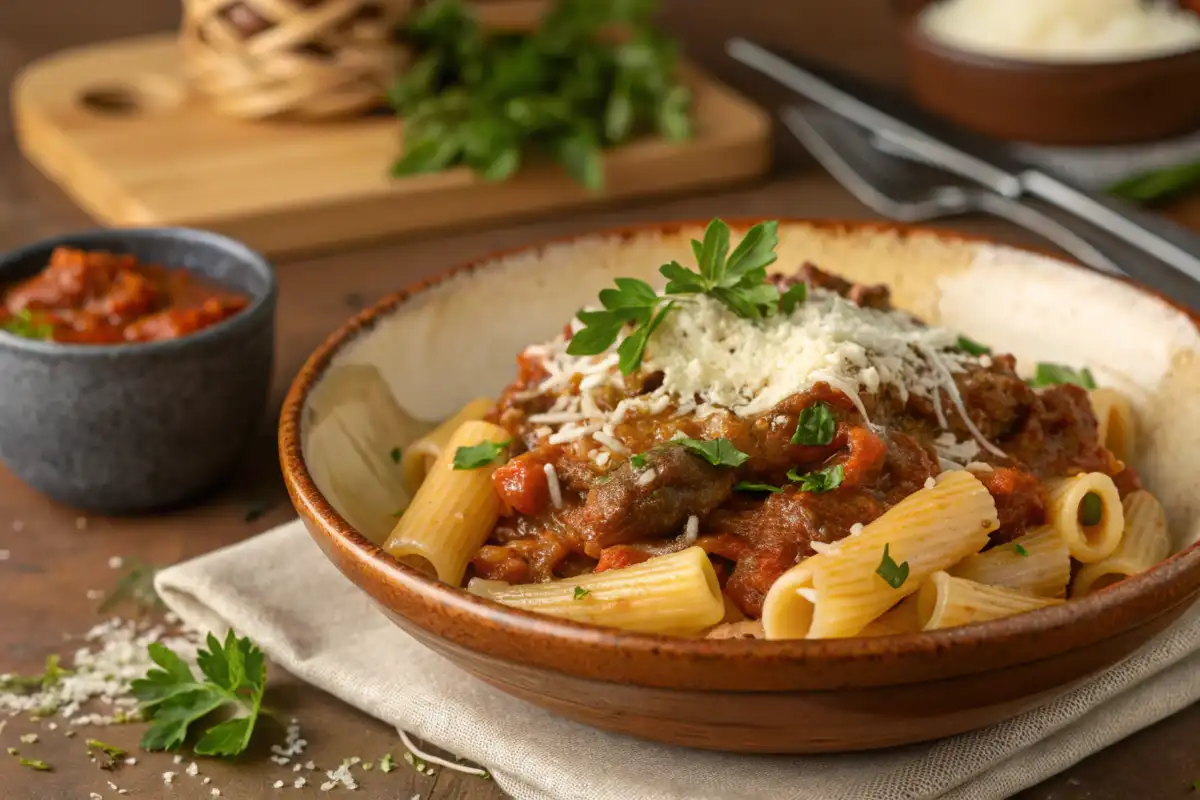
<point>57,557</point>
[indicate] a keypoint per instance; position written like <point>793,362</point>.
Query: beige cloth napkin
<point>279,589</point>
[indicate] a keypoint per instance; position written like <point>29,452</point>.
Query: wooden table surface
<point>56,557</point>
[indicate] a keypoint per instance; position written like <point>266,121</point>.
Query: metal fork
<point>911,192</point>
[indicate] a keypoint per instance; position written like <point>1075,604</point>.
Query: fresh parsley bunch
<point>568,89</point>
<point>738,280</point>
<point>235,675</point>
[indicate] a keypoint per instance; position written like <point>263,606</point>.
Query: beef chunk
<point>627,507</point>
<point>878,296</point>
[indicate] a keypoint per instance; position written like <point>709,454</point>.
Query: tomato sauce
<point>95,297</point>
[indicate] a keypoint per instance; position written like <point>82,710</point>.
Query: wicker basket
<point>259,59</point>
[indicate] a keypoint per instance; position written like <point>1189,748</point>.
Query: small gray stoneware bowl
<point>140,426</point>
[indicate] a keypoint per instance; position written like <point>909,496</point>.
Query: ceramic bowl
<point>438,344</point>
<point>1068,104</point>
<point>134,427</point>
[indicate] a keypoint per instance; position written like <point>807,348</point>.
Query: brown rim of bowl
<point>912,28</point>
<point>308,500</point>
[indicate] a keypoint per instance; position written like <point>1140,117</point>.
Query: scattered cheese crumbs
<point>985,361</point>
<point>81,523</point>
<point>178,759</point>
<point>327,786</point>
<point>282,761</point>
<point>297,768</point>
<point>116,562</point>
<point>612,443</point>
<point>18,526</point>
<point>95,796</point>
<point>930,483</point>
<point>192,769</point>
<point>131,761</point>
<point>311,765</point>
<point>278,784</point>
<point>300,782</point>
<point>980,466</point>
<point>171,618</point>
<point>94,594</point>
<point>4,555</point>
<point>51,726</point>
<point>856,529</point>
<point>122,791</point>
<point>28,738</point>
<point>413,750</point>
<point>168,777</point>
<point>112,786</point>
<point>69,733</point>
<point>553,484</point>
<point>207,780</point>
<point>215,792</point>
<point>822,547</point>
<point>647,477</point>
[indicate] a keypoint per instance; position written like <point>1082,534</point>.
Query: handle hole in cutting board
<point>130,98</point>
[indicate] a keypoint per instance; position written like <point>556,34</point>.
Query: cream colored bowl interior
<point>459,340</point>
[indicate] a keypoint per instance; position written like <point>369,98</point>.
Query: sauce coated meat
<point>84,297</point>
<point>612,516</point>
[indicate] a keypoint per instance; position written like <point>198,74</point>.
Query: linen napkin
<point>279,589</point>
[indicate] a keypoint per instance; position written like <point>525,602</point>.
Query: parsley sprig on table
<point>567,89</point>
<point>738,280</point>
<point>235,674</point>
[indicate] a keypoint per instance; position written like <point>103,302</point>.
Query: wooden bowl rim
<point>918,37</point>
<point>467,608</point>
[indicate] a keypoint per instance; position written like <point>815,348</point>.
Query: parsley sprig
<point>235,674</point>
<point>738,280</point>
<point>1052,374</point>
<point>893,574</point>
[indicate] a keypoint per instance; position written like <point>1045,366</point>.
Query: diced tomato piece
<point>1020,502</point>
<point>619,556</point>
<point>522,484</point>
<point>1127,481</point>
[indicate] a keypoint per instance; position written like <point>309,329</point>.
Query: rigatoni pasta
<point>839,593</point>
<point>453,512</point>
<point>676,593</point>
<point>948,602</point>
<point>420,456</point>
<point>1086,511</point>
<point>1038,563</point>
<point>1145,543</point>
<point>732,456</point>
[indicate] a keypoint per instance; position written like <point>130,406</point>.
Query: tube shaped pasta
<point>1145,543</point>
<point>947,602</point>
<point>453,512</point>
<point>418,459</point>
<point>901,619</point>
<point>353,428</point>
<point>1037,563</point>
<point>1065,509</point>
<point>1117,425</point>
<point>674,593</point>
<point>838,593</point>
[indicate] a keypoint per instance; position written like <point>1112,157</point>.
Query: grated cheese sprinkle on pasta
<point>553,484</point>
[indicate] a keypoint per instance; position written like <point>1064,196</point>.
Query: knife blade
<point>972,156</point>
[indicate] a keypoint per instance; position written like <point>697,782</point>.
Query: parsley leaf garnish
<point>746,486</point>
<point>110,753</point>
<point>478,455</point>
<point>973,347</point>
<point>1053,374</point>
<point>816,425</point>
<point>738,280</point>
<point>1019,550</point>
<point>893,574</point>
<point>797,293</point>
<point>718,452</point>
<point>396,454</point>
<point>638,461</point>
<point>581,592</point>
<point>823,480</point>
<point>26,325</point>
<point>235,674</point>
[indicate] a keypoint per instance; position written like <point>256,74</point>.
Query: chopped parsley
<point>796,294</point>
<point>638,461</point>
<point>822,480</point>
<point>25,325</point>
<point>718,452</point>
<point>1054,374</point>
<point>109,753</point>
<point>35,763</point>
<point>745,486</point>
<point>479,455</point>
<point>418,763</point>
<point>816,425</point>
<point>1091,510</point>
<point>136,587</point>
<point>235,674</point>
<point>51,675</point>
<point>738,280</point>
<point>581,592</point>
<point>1019,550</point>
<point>893,574</point>
<point>395,454</point>
<point>387,763</point>
<point>973,347</point>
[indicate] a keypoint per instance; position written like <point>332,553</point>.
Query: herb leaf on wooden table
<point>593,74</point>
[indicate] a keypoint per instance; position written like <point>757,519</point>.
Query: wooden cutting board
<point>114,126</point>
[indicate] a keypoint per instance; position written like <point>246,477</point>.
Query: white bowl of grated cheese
<point>1057,72</point>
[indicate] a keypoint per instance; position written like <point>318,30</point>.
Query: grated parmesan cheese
<point>554,486</point>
